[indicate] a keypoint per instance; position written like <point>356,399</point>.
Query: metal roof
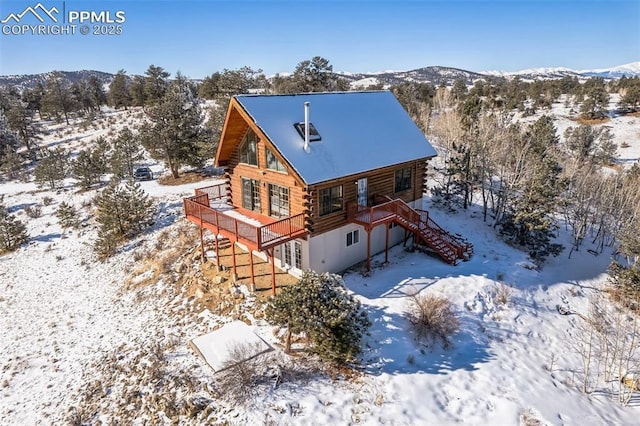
<point>359,131</point>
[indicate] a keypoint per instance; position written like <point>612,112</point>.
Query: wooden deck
<point>257,232</point>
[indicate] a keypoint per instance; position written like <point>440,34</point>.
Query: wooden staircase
<point>427,233</point>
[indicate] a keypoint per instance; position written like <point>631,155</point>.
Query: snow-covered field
<point>61,311</point>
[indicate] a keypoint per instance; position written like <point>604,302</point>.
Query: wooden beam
<point>218,265</point>
<point>202,246</point>
<point>233,257</point>
<point>368,250</point>
<point>386,245</point>
<point>253,281</point>
<point>273,272</point>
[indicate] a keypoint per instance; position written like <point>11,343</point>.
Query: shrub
<point>12,232</point>
<point>67,215</point>
<point>433,318</point>
<point>123,212</point>
<point>319,306</point>
<point>33,212</point>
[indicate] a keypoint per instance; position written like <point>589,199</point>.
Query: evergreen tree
<point>57,99</point>
<point>596,103</point>
<point>90,164</point>
<point>459,90</point>
<point>21,120</point>
<point>67,215</point>
<point>124,151</point>
<point>528,220</point>
<point>13,233</point>
<point>320,307</point>
<point>96,91</point>
<point>155,84</point>
<point>52,167</point>
<point>314,75</point>
<point>119,96</point>
<point>630,100</point>
<point>591,145</point>
<point>124,211</point>
<point>173,132</point>
<point>136,91</point>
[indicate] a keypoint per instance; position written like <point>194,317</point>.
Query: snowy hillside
<point>77,331</point>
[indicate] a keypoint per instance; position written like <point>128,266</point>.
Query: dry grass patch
<point>591,121</point>
<point>434,318</point>
<point>187,177</point>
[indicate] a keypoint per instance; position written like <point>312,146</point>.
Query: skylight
<point>314,136</point>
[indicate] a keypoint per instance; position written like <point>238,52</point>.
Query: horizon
<point>198,38</point>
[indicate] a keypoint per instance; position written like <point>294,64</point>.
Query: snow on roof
<point>222,347</point>
<point>359,131</point>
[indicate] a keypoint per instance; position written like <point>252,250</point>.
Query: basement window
<point>314,136</point>
<point>353,237</point>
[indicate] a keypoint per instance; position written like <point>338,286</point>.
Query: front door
<point>363,197</point>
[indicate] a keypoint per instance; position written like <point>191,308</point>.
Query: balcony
<point>208,209</point>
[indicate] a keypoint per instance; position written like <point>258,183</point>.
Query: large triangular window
<point>249,148</point>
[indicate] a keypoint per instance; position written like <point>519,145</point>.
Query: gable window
<point>353,237</point>
<point>278,201</point>
<point>330,200</point>
<point>249,148</point>
<point>273,163</point>
<point>251,194</point>
<point>403,179</point>
<point>314,136</point>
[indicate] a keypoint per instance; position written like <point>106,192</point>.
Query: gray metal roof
<point>359,131</point>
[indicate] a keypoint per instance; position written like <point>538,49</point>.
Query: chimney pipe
<point>306,126</point>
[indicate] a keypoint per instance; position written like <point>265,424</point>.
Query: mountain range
<point>432,74</point>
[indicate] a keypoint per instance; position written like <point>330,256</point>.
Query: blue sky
<point>198,38</point>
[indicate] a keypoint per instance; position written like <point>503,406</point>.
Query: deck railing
<point>261,237</point>
<point>215,192</point>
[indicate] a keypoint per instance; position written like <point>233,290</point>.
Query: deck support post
<point>234,275</point>
<point>386,245</point>
<point>273,272</point>
<point>202,246</point>
<point>218,265</point>
<point>368,250</point>
<point>253,282</point>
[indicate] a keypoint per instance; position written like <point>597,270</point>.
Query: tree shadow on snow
<point>392,347</point>
<point>47,238</point>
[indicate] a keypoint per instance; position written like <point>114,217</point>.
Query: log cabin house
<point>321,181</point>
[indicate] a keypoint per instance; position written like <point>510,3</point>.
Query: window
<point>403,179</point>
<point>278,201</point>
<point>273,163</point>
<point>330,200</point>
<point>249,148</point>
<point>314,136</point>
<point>251,194</point>
<point>297,248</point>
<point>353,237</point>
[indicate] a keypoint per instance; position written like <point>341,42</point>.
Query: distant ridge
<point>436,75</point>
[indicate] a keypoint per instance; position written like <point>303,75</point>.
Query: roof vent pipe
<point>306,126</point>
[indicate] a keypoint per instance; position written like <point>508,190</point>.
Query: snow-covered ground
<point>61,311</point>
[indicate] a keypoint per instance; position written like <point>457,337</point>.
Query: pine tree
<point>124,211</point>
<point>119,96</point>
<point>52,167</point>
<point>21,120</point>
<point>91,164</point>
<point>174,131</point>
<point>528,219</point>
<point>320,307</point>
<point>596,103</point>
<point>13,233</point>
<point>155,84</point>
<point>67,215</point>
<point>57,99</point>
<point>124,151</point>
